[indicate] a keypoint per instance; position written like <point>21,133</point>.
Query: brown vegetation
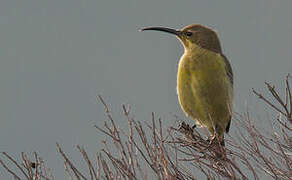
<point>148,151</point>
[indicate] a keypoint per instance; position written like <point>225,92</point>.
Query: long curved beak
<point>163,29</point>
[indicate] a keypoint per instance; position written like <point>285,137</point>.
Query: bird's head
<point>194,35</point>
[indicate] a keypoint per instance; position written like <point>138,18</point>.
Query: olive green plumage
<point>204,79</point>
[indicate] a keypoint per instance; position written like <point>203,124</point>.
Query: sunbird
<point>204,79</point>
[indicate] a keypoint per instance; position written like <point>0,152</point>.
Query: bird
<point>204,79</point>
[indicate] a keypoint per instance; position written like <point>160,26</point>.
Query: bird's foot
<point>216,147</point>
<point>187,130</point>
<point>185,127</point>
<point>212,141</point>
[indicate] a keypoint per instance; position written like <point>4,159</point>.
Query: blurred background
<point>56,56</point>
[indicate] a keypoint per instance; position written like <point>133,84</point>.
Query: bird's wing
<point>228,69</point>
<point>230,77</point>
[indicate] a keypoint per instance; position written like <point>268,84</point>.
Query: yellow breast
<point>203,88</point>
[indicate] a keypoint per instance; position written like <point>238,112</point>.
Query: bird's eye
<point>189,33</point>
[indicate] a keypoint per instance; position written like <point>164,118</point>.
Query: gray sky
<point>57,55</point>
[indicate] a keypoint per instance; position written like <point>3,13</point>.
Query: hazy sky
<point>56,56</point>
